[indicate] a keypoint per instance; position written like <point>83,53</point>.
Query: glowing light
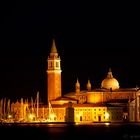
<point>77,115</point>
<point>31,116</point>
<point>52,116</point>
<point>76,123</point>
<point>107,124</point>
<point>9,116</point>
<point>106,115</point>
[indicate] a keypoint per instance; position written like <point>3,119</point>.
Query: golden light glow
<point>107,115</point>
<point>107,124</point>
<point>52,116</point>
<point>77,115</point>
<point>77,123</point>
<point>9,116</point>
<point>31,116</point>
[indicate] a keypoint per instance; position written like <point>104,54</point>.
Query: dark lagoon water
<point>117,131</point>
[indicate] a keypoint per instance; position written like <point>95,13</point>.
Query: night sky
<point>90,38</point>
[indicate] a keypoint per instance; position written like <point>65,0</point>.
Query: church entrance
<point>99,118</point>
<point>80,118</point>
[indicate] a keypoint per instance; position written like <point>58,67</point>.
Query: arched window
<point>57,64</point>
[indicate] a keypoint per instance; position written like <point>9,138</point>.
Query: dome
<point>109,82</point>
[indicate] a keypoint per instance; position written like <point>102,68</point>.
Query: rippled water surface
<point>70,131</point>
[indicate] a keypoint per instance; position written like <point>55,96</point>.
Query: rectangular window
<point>50,64</point>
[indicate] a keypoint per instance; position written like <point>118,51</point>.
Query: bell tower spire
<point>53,52</point>
<point>54,74</point>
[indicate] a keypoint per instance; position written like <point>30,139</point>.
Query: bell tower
<point>54,74</point>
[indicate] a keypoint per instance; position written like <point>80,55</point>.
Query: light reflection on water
<point>70,131</point>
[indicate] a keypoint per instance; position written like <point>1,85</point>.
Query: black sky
<point>90,38</point>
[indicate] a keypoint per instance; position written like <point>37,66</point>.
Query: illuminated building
<point>110,103</point>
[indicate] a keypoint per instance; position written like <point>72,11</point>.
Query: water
<point>65,132</point>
